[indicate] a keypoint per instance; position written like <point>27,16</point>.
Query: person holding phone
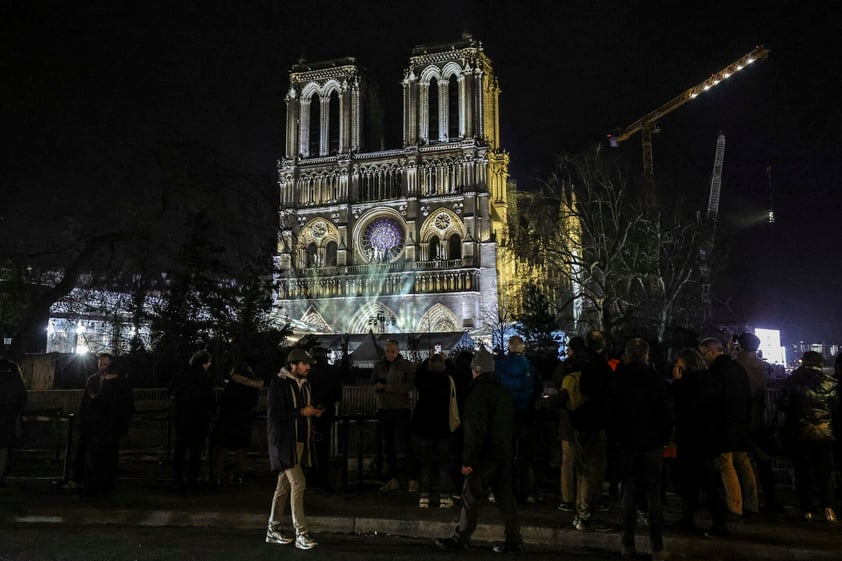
<point>289,431</point>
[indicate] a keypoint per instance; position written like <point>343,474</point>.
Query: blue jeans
<point>641,474</point>
<point>428,450</point>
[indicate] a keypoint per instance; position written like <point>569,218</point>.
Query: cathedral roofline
<point>307,66</point>
<point>467,42</point>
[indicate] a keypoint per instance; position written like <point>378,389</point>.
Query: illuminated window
<point>435,248</point>
<point>382,240</point>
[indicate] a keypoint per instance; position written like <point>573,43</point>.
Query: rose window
<point>382,240</point>
<point>319,230</point>
<point>442,221</point>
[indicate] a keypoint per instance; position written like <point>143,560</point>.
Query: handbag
<point>455,420</point>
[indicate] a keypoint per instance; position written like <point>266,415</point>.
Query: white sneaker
<point>304,541</point>
<point>445,502</point>
<point>391,485</point>
<point>276,535</point>
<point>423,502</point>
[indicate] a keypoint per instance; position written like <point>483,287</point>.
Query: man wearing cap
<point>487,457</point>
<point>289,432</point>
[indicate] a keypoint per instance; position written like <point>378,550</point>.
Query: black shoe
<point>508,548</point>
<point>453,545</point>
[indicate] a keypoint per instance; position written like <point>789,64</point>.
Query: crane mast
<point>709,229</point>
<point>716,179</point>
<point>646,124</point>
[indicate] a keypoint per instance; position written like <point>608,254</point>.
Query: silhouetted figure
<point>326,386</point>
<point>194,403</point>
<point>233,428</point>
<point>809,400</point>
<point>12,403</point>
<point>107,407</point>
<point>486,458</point>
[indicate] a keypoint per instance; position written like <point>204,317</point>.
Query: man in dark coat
<point>588,422</point>
<point>486,457</point>
<point>232,430</point>
<point>77,478</point>
<point>732,462</point>
<point>107,407</point>
<point>640,421</point>
<point>326,388</point>
<point>393,379</point>
<point>289,431</point>
<point>194,403</point>
<point>12,402</point>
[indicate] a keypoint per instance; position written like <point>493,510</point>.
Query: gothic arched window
<point>315,125</point>
<point>312,255</point>
<point>435,248</point>
<point>333,123</point>
<point>433,107</point>
<point>330,254</point>
<point>454,247</point>
<point>453,107</point>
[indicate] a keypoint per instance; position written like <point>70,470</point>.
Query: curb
<point>532,535</point>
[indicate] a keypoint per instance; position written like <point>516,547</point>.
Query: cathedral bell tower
<point>332,108</point>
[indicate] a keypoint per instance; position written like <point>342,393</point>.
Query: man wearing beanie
<point>487,457</point>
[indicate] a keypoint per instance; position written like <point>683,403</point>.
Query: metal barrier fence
<point>51,417</point>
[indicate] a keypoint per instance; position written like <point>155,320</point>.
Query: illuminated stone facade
<point>393,240</point>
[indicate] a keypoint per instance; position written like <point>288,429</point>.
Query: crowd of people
<point>470,433</point>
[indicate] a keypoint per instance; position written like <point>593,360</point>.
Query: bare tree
<point>625,266</point>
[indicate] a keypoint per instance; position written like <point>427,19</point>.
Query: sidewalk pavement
<point>145,497</point>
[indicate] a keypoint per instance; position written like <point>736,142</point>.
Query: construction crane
<point>646,124</point>
<point>706,248</point>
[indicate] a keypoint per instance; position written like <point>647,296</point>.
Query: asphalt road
<point>135,543</point>
<point>121,543</point>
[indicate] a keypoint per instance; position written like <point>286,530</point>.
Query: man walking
<point>289,411</point>
<point>486,458</point>
<point>640,421</point>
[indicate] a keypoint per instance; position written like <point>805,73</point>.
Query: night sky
<point>83,87</point>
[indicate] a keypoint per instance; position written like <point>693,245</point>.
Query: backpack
<point>575,398</point>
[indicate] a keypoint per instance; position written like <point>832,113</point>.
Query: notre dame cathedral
<point>394,240</point>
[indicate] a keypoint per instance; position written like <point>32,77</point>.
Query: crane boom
<point>644,124</point>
